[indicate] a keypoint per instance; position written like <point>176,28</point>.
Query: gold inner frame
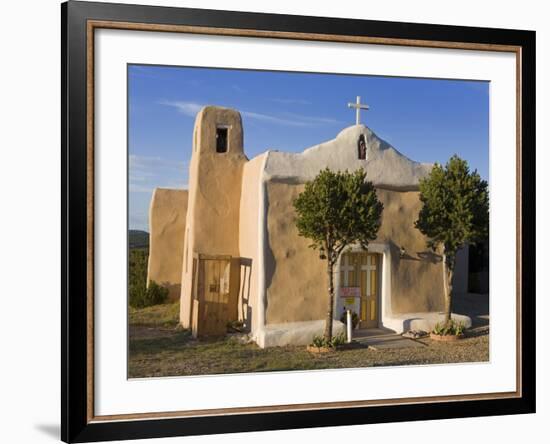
<point>96,24</point>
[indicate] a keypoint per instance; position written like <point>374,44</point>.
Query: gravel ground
<point>168,352</point>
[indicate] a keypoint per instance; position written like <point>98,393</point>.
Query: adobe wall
<point>296,278</point>
<point>249,230</point>
<point>167,214</point>
<point>417,277</point>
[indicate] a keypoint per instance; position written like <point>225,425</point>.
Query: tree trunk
<point>448,285</point>
<point>330,311</point>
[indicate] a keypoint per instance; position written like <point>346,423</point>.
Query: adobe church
<point>229,249</point>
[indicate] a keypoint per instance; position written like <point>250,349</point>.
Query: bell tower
<point>215,174</point>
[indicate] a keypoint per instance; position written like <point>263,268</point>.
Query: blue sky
<point>427,120</point>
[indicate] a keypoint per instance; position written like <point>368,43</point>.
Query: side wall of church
<point>249,231</point>
<point>296,278</point>
<point>167,214</point>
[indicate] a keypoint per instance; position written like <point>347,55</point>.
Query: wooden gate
<point>361,270</point>
<point>212,302</point>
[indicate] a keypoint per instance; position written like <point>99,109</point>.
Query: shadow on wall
<point>413,286</point>
<point>419,256</point>
<point>429,256</point>
<point>476,306</point>
<point>269,258</point>
<point>244,308</point>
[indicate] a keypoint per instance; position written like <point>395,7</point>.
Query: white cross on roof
<point>358,107</point>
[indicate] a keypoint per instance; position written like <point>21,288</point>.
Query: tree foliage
<point>455,209</point>
<point>336,210</point>
<point>455,212</point>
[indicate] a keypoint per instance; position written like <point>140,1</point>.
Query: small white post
<point>348,324</point>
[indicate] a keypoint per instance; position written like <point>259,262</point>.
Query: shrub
<point>155,294</point>
<point>449,328</point>
<point>318,341</point>
<point>137,276</point>
<point>137,291</point>
<point>321,341</point>
<point>339,339</point>
<point>141,297</point>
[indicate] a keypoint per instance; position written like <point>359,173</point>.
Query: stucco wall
<point>296,278</point>
<point>167,214</point>
<point>417,277</point>
<point>385,166</point>
<point>248,242</point>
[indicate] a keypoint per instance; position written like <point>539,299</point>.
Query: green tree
<point>455,213</point>
<point>336,210</point>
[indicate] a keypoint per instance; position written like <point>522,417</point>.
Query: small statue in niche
<point>361,148</point>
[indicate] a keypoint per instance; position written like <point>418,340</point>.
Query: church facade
<point>232,236</point>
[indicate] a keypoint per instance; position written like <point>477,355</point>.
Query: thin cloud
<point>149,172</point>
<point>313,119</point>
<point>273,119</point>
<point>188,108</point>
<point>287,119</point>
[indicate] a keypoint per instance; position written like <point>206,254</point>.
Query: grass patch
<point>163,315</point>
<point>156,352</point>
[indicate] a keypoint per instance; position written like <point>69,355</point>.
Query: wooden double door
<point>362,269</point>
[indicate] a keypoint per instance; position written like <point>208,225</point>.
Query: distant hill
<point>138,239</point>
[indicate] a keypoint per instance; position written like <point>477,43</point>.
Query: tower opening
<point>221,139</point>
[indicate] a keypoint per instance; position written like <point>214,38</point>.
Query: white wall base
<point>294,333</point>
<point>426,321</point>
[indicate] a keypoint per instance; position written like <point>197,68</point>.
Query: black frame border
<point>75,426</point>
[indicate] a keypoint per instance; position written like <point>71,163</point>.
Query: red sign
<point>350,292</point>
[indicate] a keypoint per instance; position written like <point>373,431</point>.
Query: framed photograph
<point>275,221</point>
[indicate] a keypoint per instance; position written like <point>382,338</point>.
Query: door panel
<point>216,297</point>
<point>361,270</point>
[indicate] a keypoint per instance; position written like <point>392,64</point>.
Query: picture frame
<point>80,20</point>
